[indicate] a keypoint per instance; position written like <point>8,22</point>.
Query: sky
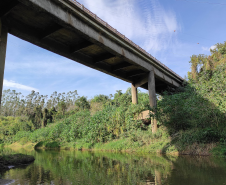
<point>171,30</point>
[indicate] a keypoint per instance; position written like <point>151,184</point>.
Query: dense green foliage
<point>113,117</point>
<point>196,113</point>
<point>192,114</point>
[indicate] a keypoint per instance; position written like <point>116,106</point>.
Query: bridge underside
<point>38,26</point>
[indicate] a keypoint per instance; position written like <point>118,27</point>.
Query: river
<point>100,168</point>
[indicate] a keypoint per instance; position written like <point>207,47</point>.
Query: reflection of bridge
<point>69,29</point>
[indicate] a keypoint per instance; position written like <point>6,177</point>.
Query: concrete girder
<point>7,7</point>
<point>135,73</point>
<point>32,35</point>
<point>121,65</point>
<point>113,45</point>
<point>142,80</point>
<point>79,46</point>
<point>103,57</point>
<point>50,30</point>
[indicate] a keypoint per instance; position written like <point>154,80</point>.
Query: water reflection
<point>97,168</point>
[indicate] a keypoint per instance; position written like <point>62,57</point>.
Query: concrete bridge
<point>67,28</point>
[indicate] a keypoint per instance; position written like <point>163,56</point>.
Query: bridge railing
<point>121,35</point>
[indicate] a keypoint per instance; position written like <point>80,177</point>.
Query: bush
<point>23,140</point>
<point>189,109</point>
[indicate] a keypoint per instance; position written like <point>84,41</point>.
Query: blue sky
<point>198,25</point>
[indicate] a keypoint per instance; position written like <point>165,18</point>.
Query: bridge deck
<point>66,28</point>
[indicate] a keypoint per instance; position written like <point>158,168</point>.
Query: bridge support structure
<point>152,97</point>
<point>3,45</point>
<point>158,179</point>
<point>134,94</point>
<point>150,78</point>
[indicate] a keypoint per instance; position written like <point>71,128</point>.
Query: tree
<point>82,103</point>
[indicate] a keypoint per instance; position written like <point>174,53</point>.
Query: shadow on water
<point>97,168</point>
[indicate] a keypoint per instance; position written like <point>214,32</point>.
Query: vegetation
<point>102,119</point>
<point>196,113</point>
<point>191,119</point>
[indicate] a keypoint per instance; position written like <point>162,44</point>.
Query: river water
<point>100,168</point>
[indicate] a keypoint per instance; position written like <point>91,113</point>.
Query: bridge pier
<point>134,94</point>
<point>158,179</point>
<point>152,97</point>
<point>3,45</point>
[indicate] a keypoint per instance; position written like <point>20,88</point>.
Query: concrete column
<point>134,94</point>
<point>158,179</point>
<point>152,97</point>
<point>3,44</point>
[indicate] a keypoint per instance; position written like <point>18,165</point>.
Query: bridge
<point>67,28</point>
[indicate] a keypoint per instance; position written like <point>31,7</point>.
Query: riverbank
<point>181,143</point>
<point>13,160</point>
<point>211,149</point>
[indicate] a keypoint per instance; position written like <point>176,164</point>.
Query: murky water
<point>99,168</point>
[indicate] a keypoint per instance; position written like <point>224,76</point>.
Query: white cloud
<point>12,84</point>
<point>205,49</point>
<point>208,49</point>
<point>213,47</point>
<point>147,23</point>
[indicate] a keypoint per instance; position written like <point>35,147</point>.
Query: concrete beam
<point>152,97</point>
<point>134,94</point>
<point>5,8</point>
<point>31,34</point>
<point>103,57</point>
<point>3,45</point>
<point>142,81</point>
<point>96,33</point>
<point>80,46</point>
<point>135,73</point>
<point>165,78</point>
<point>50,30</point>
<point>121,66</point>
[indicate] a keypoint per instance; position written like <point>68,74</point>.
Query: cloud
<point>147,23</point>
<point>213,47</point>
<point>13,84</point>
<point>205,49</point>
<point>208,49</point>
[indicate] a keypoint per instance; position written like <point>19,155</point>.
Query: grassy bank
<point>191,119</point>
<point>181,143</point>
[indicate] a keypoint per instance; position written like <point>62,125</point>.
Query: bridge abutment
<point>3,45</point>
<point>152,97</point>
